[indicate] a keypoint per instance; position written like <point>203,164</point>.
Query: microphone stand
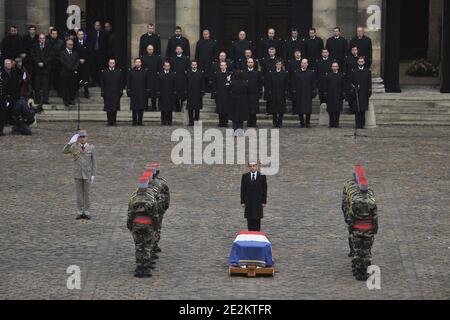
<point>358,110</point>
<point>81,85</point>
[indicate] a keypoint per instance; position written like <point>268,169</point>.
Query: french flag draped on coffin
<point>251,248</point>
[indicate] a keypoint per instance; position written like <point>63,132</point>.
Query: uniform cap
<point>82,133</point>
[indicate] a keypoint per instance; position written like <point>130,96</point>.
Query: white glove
<point>92,179</point>
<point>74,139</point>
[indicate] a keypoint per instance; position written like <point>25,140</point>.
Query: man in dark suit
<point>253,196</point>
<point>175,41</point>
<point>70,63</point>
<point>150,38</point>
<point>97,41</point>
<point>84,54</point>
<point>41,56</point>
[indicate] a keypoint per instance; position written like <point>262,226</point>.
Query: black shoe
<point>138,273</point>
<point>86,216</point>
<point>351,254</point>
<point>79,217</point>
<point>157,249</point>
<point>308,125</point>
<point>301,125</point>
<point>154,256</point>
<point>134,124</point>
<point>147,272</point>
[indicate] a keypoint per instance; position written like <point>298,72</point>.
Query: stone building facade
<point>381,18</point>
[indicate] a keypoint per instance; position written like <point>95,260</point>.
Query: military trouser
<point>143,236</point>
<point>158,226</point>
<point>82,187</point>
<point>362,244</point>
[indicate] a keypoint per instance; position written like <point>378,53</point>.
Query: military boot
<point>138,273</point>
<point>147,272</point>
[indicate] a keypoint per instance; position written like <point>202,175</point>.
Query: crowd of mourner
<point>275,70</point>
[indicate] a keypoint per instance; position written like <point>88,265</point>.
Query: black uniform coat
<point>362,81</point>
<point>323,67</point>
<point>138,88</point>
<point>195,89</point>
<point>69,63</point>
<point>84,52</point>
<point>205,53</point>
<point>216,66</point>
<point>149,39</point>
<point>267,43</point>
<point>293,65</point>
<point>239,108</point>
<point>303,90</point>
<point>351,63</point>
<point>180,65</point>
<point>174,42</point>
<point>220,92</point>
<point>111,84</point>
<point>153,64</point>
<point>56,46</point>
<point>291,46</point>
<point>41,55</point>
<point>277,91</point>
<point>255,80</point>
<point>313,50</point>
<point>338,49</point>
<point>267,64</point>
<point>166,91</point>
<point>334,91</point>
<point>253,195</point>
<point>12,46</point>
<point>238,48</point>
<point>11,85</point>
<point>364,46</point>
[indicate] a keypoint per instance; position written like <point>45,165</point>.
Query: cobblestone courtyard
<point>408,167</point>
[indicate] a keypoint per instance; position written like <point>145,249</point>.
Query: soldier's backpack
<point>144,203</point>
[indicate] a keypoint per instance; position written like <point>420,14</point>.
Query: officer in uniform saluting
<point>83,170</point>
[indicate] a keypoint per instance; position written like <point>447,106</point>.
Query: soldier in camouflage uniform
<point>142,214</point>
<point>360,213</point>
<point>163,189</point>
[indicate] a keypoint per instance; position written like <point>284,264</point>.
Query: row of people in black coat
<point>166,85</point>
<point>298,82</point>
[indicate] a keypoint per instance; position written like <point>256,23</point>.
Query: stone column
<point>38,13</point>
<point>2,19</point>
<point>434,32</point>
<point>324,17</point>
<point>369,17</point>
<point>187,16</point>
<point>143,12</point>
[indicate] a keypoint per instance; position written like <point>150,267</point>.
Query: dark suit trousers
<point>194,115</point>
<point>254,224</point>
<point>138,116</point>
<point>112,117</point>
<point>334,119</point>
<point>41,86</point>
<point>305,117</point>
<point>166,118</point>
<point>360,119</point>
<point>251,123</point>
<point>69,89</point>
